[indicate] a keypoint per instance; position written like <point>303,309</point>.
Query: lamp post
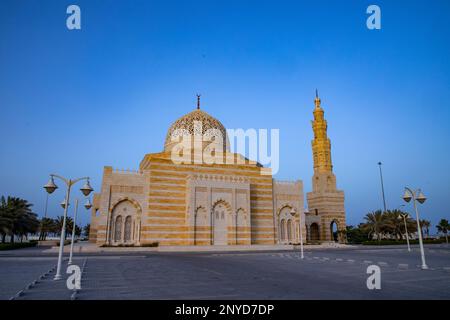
<point>382,186</point>
<point>73,231</point>
<point>50,187</point>
<point>404,217</point>
<point>300,230</point>
<point>87,205</point>
<point>419,197</point>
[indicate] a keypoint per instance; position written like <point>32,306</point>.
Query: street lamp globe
<point>88,204</point>
<point>50,187</point>
<point>407,196</point>
<point>86,189</point>
<point>63,204</point>
<point>421,197</point>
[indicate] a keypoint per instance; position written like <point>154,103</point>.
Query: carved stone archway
<point>220,220</point>
<point>125,222</point>
<point>287,224</point>
<point>314,232</point>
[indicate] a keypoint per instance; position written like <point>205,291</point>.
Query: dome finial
<point>198,101</point>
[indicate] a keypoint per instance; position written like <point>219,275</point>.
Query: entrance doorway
<point>334,231</point>
<point>314,232</point>
<point>220,225</point>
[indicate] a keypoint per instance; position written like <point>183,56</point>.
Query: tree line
<point>18,220</point>
<point>389,224</point>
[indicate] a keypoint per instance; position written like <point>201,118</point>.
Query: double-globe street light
<point>404,216</point>
<point>87,205</point>
<point>419,197</point>
<point>50,187</point>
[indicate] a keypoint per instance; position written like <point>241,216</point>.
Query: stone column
<point>209,212</point>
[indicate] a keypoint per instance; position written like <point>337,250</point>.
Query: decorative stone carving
<point>185,125</point>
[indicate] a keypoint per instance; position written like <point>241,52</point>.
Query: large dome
<point>186,124</point>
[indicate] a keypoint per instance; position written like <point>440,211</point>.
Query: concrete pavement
<point>323,274</point>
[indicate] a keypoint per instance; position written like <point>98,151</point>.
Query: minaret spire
<point>198,101</point>
<point>321,145</point>
<point>317,100</point>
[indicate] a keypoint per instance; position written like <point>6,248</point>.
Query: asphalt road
<point>323,274</point>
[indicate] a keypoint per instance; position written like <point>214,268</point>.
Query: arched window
<point>127,233</point>
<point>289,230</point>
<point>118,229</point>
<point>283,230</point>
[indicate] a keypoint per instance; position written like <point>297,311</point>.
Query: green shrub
<point>398,242</point>
<point>17,245</point>
<point>151,244</point>
<point>66,242</point>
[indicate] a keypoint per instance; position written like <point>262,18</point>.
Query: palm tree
<point>392,225</point>
<point>78,230</point>
<point>48,225</point>
<point>86,230</point>
<point>5,219</point>
<point>374,223</point>
<point>443,227</point>
<point>18,219</point>
<point>59,223</point>
<point>425,225</point>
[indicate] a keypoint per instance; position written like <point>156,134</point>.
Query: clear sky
<point>74,101</point>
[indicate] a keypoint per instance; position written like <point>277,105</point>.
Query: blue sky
<point>74,101</point>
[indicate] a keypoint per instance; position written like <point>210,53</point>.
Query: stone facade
<point>195,203</point>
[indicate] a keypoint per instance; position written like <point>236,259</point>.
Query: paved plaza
<point>324,274</point>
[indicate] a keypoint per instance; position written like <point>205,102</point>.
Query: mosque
<point>198,203</point>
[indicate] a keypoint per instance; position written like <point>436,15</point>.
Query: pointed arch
<point>287,223</point>
<point>224,202</point>
<point>122,199</point>
<point>200,221</point>
<point>220,218</point>
<point>125,230</point>
<point>334,234</point>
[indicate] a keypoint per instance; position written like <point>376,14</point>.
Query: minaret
<point>323,179</point>
<point>325,202</point>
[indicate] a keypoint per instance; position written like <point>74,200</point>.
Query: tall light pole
<point>46,206</point>
<point>419,197</point>
<point>404,216</point>
<point>382,186</point>
<point>50,187</point>
<point>73,231</point>
<point>300,230</point>
<point>88,205</point>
